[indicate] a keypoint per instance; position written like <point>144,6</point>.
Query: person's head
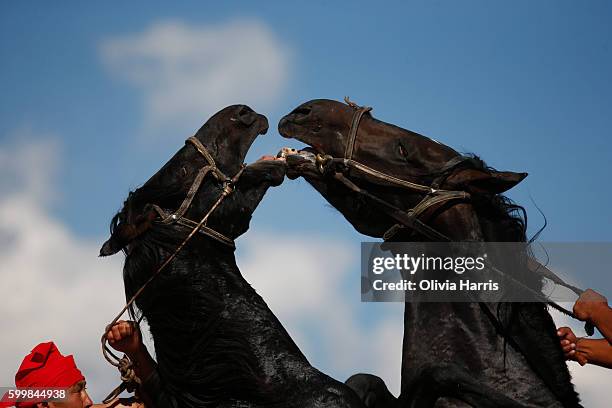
<point>76,397</point>
<point>46,367</point>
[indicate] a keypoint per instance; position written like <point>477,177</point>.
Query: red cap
<point>45,366</point>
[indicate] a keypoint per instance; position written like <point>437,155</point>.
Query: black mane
<point>528,325</point>
<point>202,355</point>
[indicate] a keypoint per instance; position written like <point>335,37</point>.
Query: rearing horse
<point>368,169</point>
<point>216,341</point>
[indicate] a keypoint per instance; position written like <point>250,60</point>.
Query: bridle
<point>433,196</point>
<point>178,216</point>
<point>125,366</point>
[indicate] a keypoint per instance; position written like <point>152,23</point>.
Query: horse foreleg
<point>454,383</point>
<point>372,391</point>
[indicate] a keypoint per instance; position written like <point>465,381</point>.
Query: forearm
<point>598,352</point>
<point>144,367</point>
<point>602,319</point>
<point>153,390</point>
<point>144,364</point>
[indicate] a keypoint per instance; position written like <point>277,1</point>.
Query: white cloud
<point>54,287</point>
<point>187,73</point>
<point>30,169</point>
<point>304,280</point>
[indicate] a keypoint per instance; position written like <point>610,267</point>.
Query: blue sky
<point>525,85</point>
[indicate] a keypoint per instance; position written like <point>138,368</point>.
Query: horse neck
<point>247,333</point>
<point>265,333</point>
<point>426,151</point>
<point>533,333</point>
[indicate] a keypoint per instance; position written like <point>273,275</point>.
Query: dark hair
<point>201,354</point>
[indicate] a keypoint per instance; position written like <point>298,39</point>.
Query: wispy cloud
<point>306,281</point>
<point>53,285</point>
<point>30,168</point>
<point>188,72</point>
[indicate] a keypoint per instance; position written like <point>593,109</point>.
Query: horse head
<point>334,131</point>
<point>198,173</point>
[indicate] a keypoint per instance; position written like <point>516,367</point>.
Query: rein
<point>125,366</point>
<point>433,196</point>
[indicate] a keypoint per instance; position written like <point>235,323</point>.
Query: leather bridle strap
<point>186,222</point>
<point>203,151</point>
<point>178,216</point>
<point>427,202</point>
<point>219,175</point>
<point>195,186</point>
<point>352,164</point>
<point>403,217</point>
<point>350,144</point>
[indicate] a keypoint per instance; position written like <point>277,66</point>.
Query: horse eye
<point>184,172</point>
<point>401,149</point>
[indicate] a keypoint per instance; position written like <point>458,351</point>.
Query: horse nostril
<point>245,110</point>
<point>301,111</point>
<point>247,115</point>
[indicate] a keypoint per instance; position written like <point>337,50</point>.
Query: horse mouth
<point>299,162</point>
<point>263,125</point>
<point>257,127</point>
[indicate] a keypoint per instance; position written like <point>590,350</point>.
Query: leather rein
<point>125,366</point>
<point>433,196</point>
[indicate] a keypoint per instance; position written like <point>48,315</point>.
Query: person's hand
<point>588,304</point>
<point>268,157</point>
<point>568,344</point>
<point>121,403</point>
<point>125,337</point>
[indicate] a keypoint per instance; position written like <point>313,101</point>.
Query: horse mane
<point>527,323</point>
<point>202,354</point>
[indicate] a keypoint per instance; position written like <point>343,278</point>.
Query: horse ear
<point>111,247</point>
<point>126,233</point>
<point>485,182</point>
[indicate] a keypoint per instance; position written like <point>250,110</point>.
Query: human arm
<point>583,350</point>
<point>155,391</point>
<point>568,343</point>
<point>595,351</point>
<point>126,337</point>
<point>122,403</point>
<point>593,307</point>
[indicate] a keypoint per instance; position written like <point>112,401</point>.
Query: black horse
<point>216,341</point>
<point>504,354</point>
